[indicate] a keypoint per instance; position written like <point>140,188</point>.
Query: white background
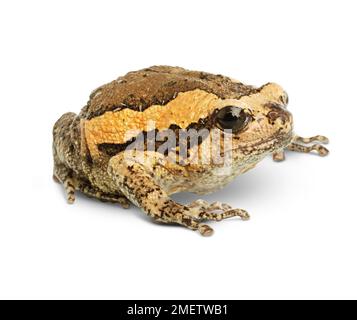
<point>301,240</point>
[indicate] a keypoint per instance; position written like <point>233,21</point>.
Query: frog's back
<point>158,85</point>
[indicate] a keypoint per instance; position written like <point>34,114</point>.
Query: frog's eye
<point>233,118</point>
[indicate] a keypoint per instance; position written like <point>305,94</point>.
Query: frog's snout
<point>276,112</point>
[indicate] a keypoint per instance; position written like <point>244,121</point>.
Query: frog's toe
<point>208,207</point>
<point>297,147</point>
<point>322,151</point>
<point>124,202</point>
<point>215,211</point>
<point>304,145</point>
<point>208,215</point>
<point>69,187</point>
<point>205,230</point>
<point>279,156</point>
<point>244,215</point>
<point>318,138</point>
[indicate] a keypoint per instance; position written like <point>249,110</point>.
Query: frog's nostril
<point>277,112</point>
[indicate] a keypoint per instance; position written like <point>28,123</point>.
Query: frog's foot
<point>300,144</point>
<point>62,174</point>
<point>122,200</point>
<point>216,211</point>
<point>69,187</point>
<point>55,179</point>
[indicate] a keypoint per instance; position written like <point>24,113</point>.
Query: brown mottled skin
<point>90,149</point>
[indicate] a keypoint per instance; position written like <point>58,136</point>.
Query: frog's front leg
<point>138,183</point>
<point>300,144</point>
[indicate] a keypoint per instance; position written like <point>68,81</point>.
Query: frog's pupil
<point>233,118</point>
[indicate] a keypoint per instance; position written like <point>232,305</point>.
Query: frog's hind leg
<point>72,183</point>
<point>300,144</point>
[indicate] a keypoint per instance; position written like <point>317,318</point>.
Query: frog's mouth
<point>276,142</point>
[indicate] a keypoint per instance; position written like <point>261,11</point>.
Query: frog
<point>116,148</point>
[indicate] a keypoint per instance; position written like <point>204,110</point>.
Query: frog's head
<point>259,122</point>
